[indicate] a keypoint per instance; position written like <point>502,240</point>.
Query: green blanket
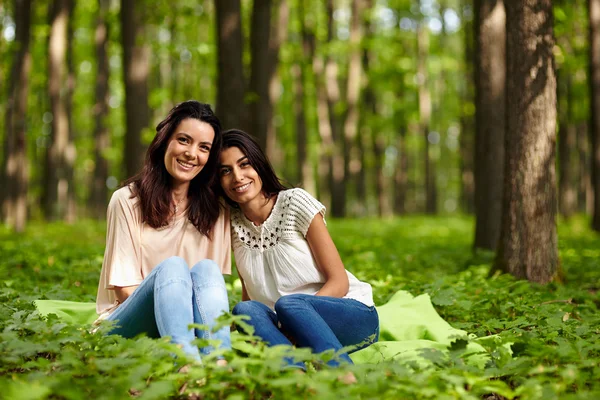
<point>407,326</point>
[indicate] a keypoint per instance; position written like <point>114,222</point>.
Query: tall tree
<point>425,117</point>
<point>60,157</point>
<point>353,86</point>
<point>567,142</point>
<point>230,71</point>
<point>336,169</point>
<point>467,135</point>
<point>136,69</point>
<point>594,82</point>
<point>15,171</point>
<point>259,107</point>
<point>528,238</point>
<point>299,77</point>
<point>490,81</point>
<point>99,192</point>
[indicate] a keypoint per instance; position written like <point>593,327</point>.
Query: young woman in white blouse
<point>294,284</point>
<point>168,240</point>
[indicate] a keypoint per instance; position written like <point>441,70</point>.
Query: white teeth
<point>184,164</point>
<point>242,188</point>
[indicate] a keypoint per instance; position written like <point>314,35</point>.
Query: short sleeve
<point>122,259</point>
<point>302,208</point>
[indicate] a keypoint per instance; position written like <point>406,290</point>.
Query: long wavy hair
<point>271,184</point>
<point>153,183</point>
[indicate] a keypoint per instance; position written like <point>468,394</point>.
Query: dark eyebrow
<point>237,162</point>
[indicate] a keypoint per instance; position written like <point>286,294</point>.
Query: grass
<point>555,329</point>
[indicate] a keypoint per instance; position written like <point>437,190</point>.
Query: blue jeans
<point>171,298</point>
<point>318,322</point>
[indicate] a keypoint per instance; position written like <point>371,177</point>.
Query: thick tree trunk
<point>259,107</point>
<point>136,68</point>
<point>231,108</point>
<point>594,80</point>
<point>15,176</point>
<point>528,238</point>
<point>60,156</point>
<point>337,177</point>
<point>490,81</point>
<point>99,191</point>
<point>467,121</point>
<point>425,117</point>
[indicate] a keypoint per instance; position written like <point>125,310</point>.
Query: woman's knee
<point>247,308</point>
<point>174,268</point>
<point>207,273</point>
<point>291,301</point>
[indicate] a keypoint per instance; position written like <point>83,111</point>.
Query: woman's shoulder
<point>298,197</point>
<point>123,197</point>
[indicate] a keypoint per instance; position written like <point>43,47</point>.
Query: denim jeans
<point>318,322</point>
<point>172,297</point>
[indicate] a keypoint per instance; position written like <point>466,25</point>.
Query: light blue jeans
<point>171,298</point>
<point>318,322</point>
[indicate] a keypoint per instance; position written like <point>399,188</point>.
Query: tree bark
<point>490,82</point>
<point>594,82</point>
<point>336,177</point>
<point>259,107</point>
<point>467,121</point>
<point>99,190</point>
<point>528,238</point>
<point>584,188</point>
<point>425,117</point>
<point>231,90</point>
<point>279,33</point>
<point>136,68</point>
<point>60,156</point>
<point>15,172</point>
<point>567,142</point>
<point>353,88</point>
<point>303,167</point>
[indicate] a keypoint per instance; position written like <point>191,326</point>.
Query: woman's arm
<point>123,292</point>
<point>327,259</point>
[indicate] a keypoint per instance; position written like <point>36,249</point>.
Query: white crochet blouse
<point>274,259</point>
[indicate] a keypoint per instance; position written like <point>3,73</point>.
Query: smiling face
<point>188,150</point>
<point>239,179</point>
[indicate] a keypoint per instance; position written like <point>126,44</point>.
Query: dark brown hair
<point>153,183</point>
<point>271,184</point>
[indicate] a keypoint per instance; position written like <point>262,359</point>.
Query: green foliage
<point>554,329</point>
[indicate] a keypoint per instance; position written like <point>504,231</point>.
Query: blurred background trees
<point>377,107</point>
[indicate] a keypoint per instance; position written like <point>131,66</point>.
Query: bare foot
<point>222,363</point>
<point>348,378</point>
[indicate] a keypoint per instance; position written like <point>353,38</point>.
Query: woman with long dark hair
<point>168,239</point>
<point>294,284</point>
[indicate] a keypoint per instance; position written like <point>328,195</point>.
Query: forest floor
<point>554,329</point>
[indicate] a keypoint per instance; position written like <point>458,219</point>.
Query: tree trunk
<point>231,108</point>
<point>99,192</point>
<point>337,182</point>
<point>353,84</point>
<point>303,167</point>
<point>136,68</point>
<point>379,142</point>
<point>584,190</point>
<point>425,117</point>
<point>490,69</point>
<point>15,176</point>
<point>567,142</point>
<point>278,36</point>
<point>71,201</point>
<point>528,238</point>
<point>259,107</point>
<point>60,156</point>
<point>594,82</point>
<point>467,122</point>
